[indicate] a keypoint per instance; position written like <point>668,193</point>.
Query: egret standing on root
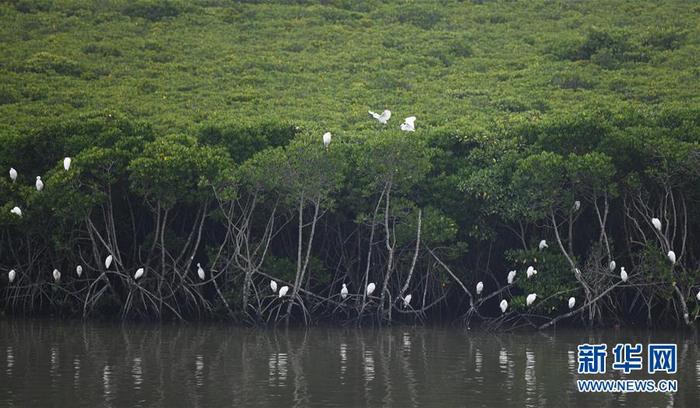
<point>479,287</point>
<point>11,275</point>
<point>108,261</point>
<point>139,273</point>
<point>39,184</point>
<point>273,286</point>
<point>16,211</point>
<point>283,291</point>
<point>344,291</point>
<point>503,306</point>
<point>672,257</point>
<point>657,223</point>
<point>66,163</point>
<point>511,277</point>
<point>383,118</point>
<point>13,174</point>
<point>623,274</point>
<point>56,275</point>
<point>370,288</point>
<point>409,124</point>
<point>572,302</point>
<point>200,271</point>
<point>326,139</point>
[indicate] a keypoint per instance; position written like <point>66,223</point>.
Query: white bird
<point>344,291</point>
<point>407,300</point>
<point>108,261</point>
<point>11,275</point>
<point>657,223</point>
<point>66,163</point>
<point>511,277</point>
<point>370,288</point>
<point>200,271</point>
<point>672,257</point>
<point>572,302</point>
<point>698,296</point>
<point>56,275</point>
<point>623,274</point>
<point>16,211</point>
<point>383,118</point>
<point>139,273</point>
<point>531,298</point>
<point>531,271</point>
<point>613,265</point>
<point>13,174</point>
<point>326,139</point>
<point>79,270</point>
<point>479,287</point>
<point>39,184</point>
<point>503,305</point>
<point>273,285</point>
<point>283,291</point>
<point>543,244</point>
<point>577,205</point>
<point>409,124</point>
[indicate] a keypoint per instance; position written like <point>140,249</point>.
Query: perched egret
<point>543,244</point>
<point>39,183</point>
<point>13,174</point>
<point>577,205</point>
<point>672,257</point>
<point>511,277</point>
<point>11,275</point>
<point>503,305</point>
<point>531,271</point>
<point>479,288</point>
<point>66,163</point>
<point>79,270</point>
<point>108,261</point>
<point>407,300</point>
<point>273,285</point>
<point>344,291</point>
<point>531,298</point>
<point>572,302</point>
<point>383,118</point>
<point>56,275</point>
<point>577,273</point>
<point>613,265</point>
<point>16,211</point>
<point>409,124</point>
<point>623,274</point>
<point>200,271</point>
<point>283,291</point>
<point>139,273</point>
<point>698,296</point>
<point>370,288</point>
<point>326,139</point>
<point>657,223</point>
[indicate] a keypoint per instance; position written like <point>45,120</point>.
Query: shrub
<point>153,10</point>
<point>44,62</point>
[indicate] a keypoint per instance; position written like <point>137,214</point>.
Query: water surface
<point>62,364</point>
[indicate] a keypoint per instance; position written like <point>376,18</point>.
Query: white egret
<point>543,244</point>
<point>409,124</point>
<point>13,174</point>
<point>623,274</point>
<point>283,291</point>
<point>79,270</point>
<point>503,306</point>
<point>56,275</point>
<point>531,298</point>
<point>479,287</point>
<point>11,275</point>
<point>326,139</point>
<point>613,265</point>
<point>39,184</point>
<point>511,277</point>
<point>577,205</point>
<point>108,261</point>
<point>531,271</point>
<point>672,257</point>
<point>407,300</point>
<point>344,291</point>
<point>273,285</point>
<point>139,273</point>
<point>16,211</point>
<point>200,271</point>
<point>572,302</point>
<point>698,296</point>
<point>66,163</point>
<point>657,223</point>
<point>370,288</point>
<point>383,118</point>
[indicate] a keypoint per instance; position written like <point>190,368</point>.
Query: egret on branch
<point>344,291</point>
<point>543,244</point>
<point>407,300</point>
<point>657,223</point>
<point>531,271</point>
<point>273,286</point>
<point>623,274</point>
<point>572,302</point>
<point>39,184</point>
<point>370,288</point>
<point>66,163</point>
<point>383,118</point>
<point>13,174</point>
<point>200,271</point>
<point>503,306</point>
<point>56,275</point>
<point>613,265</point>
<point>479,287</point>
<point>79,270</point>
<point>16,211</point>
<point>11,275</point>
<point>577,205</point>
<point>511,277</point>
<point>139,273</point>
<point>531,298</point>
<point>672,257</point>
<point>283,291</point>
<point>108,261</point>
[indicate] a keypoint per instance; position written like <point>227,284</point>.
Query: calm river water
<point>49,363</point>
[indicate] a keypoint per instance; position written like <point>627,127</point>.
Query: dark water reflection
<point>87,365</point>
